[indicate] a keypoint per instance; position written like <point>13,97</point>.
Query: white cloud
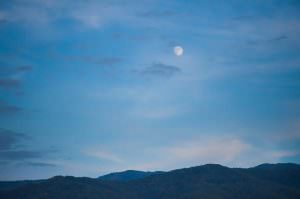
<point>228,151</point>
<point>93,14</point>
<point>202,151</point>
<point>218,150</point>
<point>277,155</point>
<point>96,15</point>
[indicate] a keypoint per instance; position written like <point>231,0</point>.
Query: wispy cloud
<point>95,14</point>
<point>11,151</point>
<point>195,152</point>
<point>7,109</point>
<point>13,155</point>
<point>223,150</point>
<point>265,41</point>
<point>8,139</point>
<point>40,164</point>
<point>11,77</point>
<point>279,38</point>
<point>160,70</point>
<point>228,151</point>
<point>103,155</point>
<point>10,83</point>
<point>92,15</point>
<point>98,14</point>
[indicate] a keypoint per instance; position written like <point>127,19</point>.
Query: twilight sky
<point>90,87</point>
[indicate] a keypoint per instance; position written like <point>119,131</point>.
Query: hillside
<point>210,181</point>
<point>128,175</point>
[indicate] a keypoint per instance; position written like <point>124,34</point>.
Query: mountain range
<point>128,175</point>
<point>210,181</point>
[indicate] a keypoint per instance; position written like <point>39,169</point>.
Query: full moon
<point>178,50</point>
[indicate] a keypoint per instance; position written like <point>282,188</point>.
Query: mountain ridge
<point>128,175</point>
<point>209,181</point>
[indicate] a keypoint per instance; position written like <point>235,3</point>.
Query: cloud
<point>38,15</point>
<point>97,14</point>
<point>222,150</point>
<point>228,151</point>
<point>279,38</point>
<point>104,155</point>
<point>40,164</point>
<point>8,146</point>
<point>213,150</point>
<point>8,139</point>
<point>31,13</point>
<point>259,154</point>
<point>268,41</point>
<point>10,83</point>
<point>20,155</point>
<point>160,70</point>
<point>236,152</point>
<point>11,77</point>
<point>283,154</point>
<point>8,109</point>
<point>11,151</point>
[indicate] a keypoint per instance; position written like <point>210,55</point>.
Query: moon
<point>178,51</point>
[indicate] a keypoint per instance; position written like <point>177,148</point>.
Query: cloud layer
<point>12,150</point>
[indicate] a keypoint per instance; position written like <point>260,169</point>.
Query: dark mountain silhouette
<point>286,174</point>
<point>116,176</point>
<point>274,181</point>
<point>10,185</point>
<point>128,175</point>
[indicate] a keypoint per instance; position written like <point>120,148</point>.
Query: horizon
<point>167,171</point>
<point>93,87</point>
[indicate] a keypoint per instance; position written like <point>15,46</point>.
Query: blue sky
<point>92,87</point>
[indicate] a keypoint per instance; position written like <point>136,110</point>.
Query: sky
<point>92,87</point>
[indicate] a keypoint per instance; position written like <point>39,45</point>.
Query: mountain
<point>128,175</point>
<point>116,176</point>
<point>10,185</point>
<point>211,181</point>
<point>286,174</point>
